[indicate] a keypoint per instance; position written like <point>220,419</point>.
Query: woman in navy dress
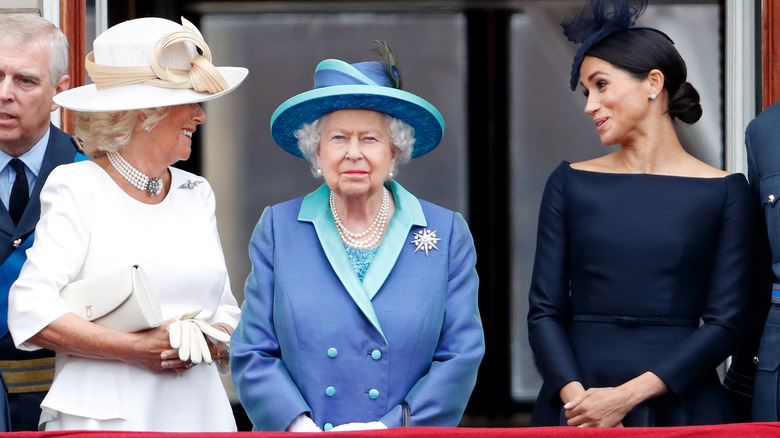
<point>641,265</point>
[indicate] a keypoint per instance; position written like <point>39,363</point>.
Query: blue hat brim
<point>309,106</point>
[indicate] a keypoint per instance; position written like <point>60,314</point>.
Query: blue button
<point>330,391</point>
<point>373,394</point>
<point>376,355</point>
<point>327,427</point>
<point>332,352</point>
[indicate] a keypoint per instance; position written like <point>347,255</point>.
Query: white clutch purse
<point>122,299</point>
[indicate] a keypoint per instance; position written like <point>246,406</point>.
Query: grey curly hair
<point>401,137</point>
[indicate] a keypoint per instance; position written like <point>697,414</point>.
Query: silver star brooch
<point>190,184</point>
<point>425,240</point>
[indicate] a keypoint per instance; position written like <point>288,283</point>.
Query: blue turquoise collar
<point>408,213</point>
<point>406,205</point>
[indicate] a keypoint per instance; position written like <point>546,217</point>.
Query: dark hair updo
<point>638,51</point>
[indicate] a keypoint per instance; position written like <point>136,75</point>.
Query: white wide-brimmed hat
<point>148,63</point>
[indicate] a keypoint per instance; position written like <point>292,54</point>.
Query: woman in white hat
<point>361,308</point>
<point>127,206</point>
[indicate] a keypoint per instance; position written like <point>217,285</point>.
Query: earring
<point>390,175</point>
<point>653,96</point>
<point>318,171</point>
<point>147,128</point>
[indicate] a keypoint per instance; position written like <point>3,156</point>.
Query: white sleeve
<point>54,260</point>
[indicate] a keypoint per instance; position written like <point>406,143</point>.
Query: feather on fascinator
<point>597,20</point>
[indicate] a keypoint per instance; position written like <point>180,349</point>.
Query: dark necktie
<point>19,192</point>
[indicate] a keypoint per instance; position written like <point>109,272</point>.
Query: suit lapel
<point>407,214</point>
<point>6,224</point>
<point>314,209</point>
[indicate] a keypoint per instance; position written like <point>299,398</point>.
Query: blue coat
<point>313,338</point>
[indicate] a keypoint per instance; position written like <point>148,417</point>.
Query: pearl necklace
<point>152,186</point>
<point>374,233</point>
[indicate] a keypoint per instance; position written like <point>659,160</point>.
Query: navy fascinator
<point>597,20</point>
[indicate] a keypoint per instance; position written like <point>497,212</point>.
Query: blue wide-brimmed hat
<point>365,85</point>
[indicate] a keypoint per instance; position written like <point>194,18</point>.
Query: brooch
<point>190,184</point>
<point>17,243</point>
<point>425,240</point>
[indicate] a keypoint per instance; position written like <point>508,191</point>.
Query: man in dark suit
<point>755,367</point>
<point>33,68</point>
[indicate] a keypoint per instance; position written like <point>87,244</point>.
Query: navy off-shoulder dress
<point>636,273</point>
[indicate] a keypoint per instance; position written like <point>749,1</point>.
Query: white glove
<point>373,425</point>
<point>215,334</point>
<point>303,423</point>
<point>185,335</point>
<point>192,313</point>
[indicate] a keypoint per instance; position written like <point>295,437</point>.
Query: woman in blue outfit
<point>639,282</point>
<point>361,306</point>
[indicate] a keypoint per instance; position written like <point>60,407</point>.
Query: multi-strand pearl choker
<point>371,236</point>
<point>152,186</point>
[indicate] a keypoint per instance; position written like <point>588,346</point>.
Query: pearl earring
<point>318,171</point>
<point>147,128</point>
<point>653,96</point>
<point>390,175</point>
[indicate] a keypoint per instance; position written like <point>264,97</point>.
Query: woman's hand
<point>219,350</point>
<point>303,423</point>
<point>147,349</point>
<point>572,391</point>
<point>606,407</point>
<point>156,354</point>
<point>599,407</point>
<point>372,425</point>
